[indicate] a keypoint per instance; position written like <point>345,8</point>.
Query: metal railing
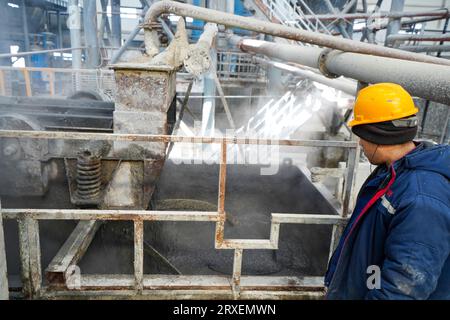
<point>291,14</point>
<point>231,67</point>
<point>32,81</point>
<point>239,66</point>
<point>176,286</point>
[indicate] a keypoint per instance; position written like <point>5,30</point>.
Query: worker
<point>396,244</point>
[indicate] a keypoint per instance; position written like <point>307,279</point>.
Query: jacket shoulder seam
<point>414,200</point>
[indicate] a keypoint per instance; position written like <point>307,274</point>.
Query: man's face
<point>371,151</point>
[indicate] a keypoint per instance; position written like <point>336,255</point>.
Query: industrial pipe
<point>443,13</point>
<point>74,25</point>
<point>420,79</point>
<point>274,29</point>
<point>339,84</point>
<point>394,24</point>
<point>30,53</point>
<point>420,48</point>
<point>198,59</point>
<point>417,37</point>
<point>90,34</point>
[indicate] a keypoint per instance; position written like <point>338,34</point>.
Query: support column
<point>74,25</point>
<point>25,32</point>
<point>60,35</point>
<point>116,25</point>
<point>394,25</point>
<point>90,34</point>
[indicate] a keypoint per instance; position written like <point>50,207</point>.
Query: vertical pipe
<point>427,103</point>
<point>209,104</point>
<point>369,30</point>
<point>352,168</point>
<point>230,6</point>
<point>394,25</point>
<point>25,32</point>
<point>4,290</point>
<point>74,25</point>
<point>90,33</point>
<point>60,34</point>
<point>116,24</point>
<point>130,38</point>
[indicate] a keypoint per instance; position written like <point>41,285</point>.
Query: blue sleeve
<point>416,249</point>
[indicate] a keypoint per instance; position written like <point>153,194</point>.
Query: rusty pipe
<point>417,37</point>
<point>273,29</point>
<point>442,14</point>
<point>423,80</point>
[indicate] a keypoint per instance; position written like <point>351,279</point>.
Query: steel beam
<point>74,25</point>
<point>394,24</point>
<point>139,255</point>
<point>4,290</point>
<point>90,34</point>
<point>30,257</point>
<point>71,252</point>
<point>130,38</point>
<point>116,25</point>
<point>25,30</point>
<point>85,136</point>
<point>192,287</point>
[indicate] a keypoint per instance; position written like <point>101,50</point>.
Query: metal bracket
<point>322,63</point>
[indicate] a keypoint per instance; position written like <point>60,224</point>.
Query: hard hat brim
<point>355,122</point>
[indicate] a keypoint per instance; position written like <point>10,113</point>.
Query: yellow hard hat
<point>382,102</point>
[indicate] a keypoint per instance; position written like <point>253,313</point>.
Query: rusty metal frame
<point>71,251</point>
<point>140,286</point>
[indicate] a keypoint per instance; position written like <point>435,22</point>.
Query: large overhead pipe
<point>423,80</point>
<point>274,29</point>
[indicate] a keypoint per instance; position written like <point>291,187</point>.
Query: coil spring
<point>88,176</point>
